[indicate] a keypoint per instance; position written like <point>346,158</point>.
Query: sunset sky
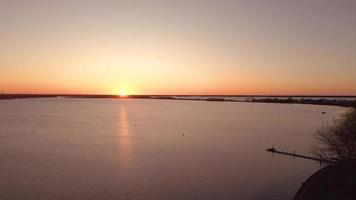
<point>178,47</point>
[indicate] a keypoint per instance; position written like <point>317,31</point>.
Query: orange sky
<point>178,47</point>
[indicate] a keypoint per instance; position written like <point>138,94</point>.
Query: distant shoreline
<point>344,101</point>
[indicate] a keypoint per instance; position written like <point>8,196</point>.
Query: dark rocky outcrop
<point>334,182</point>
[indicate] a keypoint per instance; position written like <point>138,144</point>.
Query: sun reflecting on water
<point>123,122</point>
<point>124,142</point>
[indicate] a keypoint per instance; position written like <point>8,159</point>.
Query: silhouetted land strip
<point>322,101</point>
<point>216,99</point>
<point>344,101</point>
<point>273,150</point>
<point>24,96</point>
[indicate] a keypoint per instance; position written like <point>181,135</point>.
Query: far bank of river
<point>344,101</point>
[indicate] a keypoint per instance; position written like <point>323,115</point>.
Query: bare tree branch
<point>338,140</point>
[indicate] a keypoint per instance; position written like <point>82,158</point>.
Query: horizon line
<point>132,95</point>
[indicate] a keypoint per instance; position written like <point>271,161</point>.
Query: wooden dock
<point>273,150</point>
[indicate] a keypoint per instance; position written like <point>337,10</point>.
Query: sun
<point>122,93</point>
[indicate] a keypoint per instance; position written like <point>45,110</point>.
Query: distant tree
<point>338,141</point>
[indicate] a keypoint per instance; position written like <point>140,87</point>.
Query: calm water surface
<point>135,149</point>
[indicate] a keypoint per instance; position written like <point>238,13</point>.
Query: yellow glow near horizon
<point>123,93</point>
